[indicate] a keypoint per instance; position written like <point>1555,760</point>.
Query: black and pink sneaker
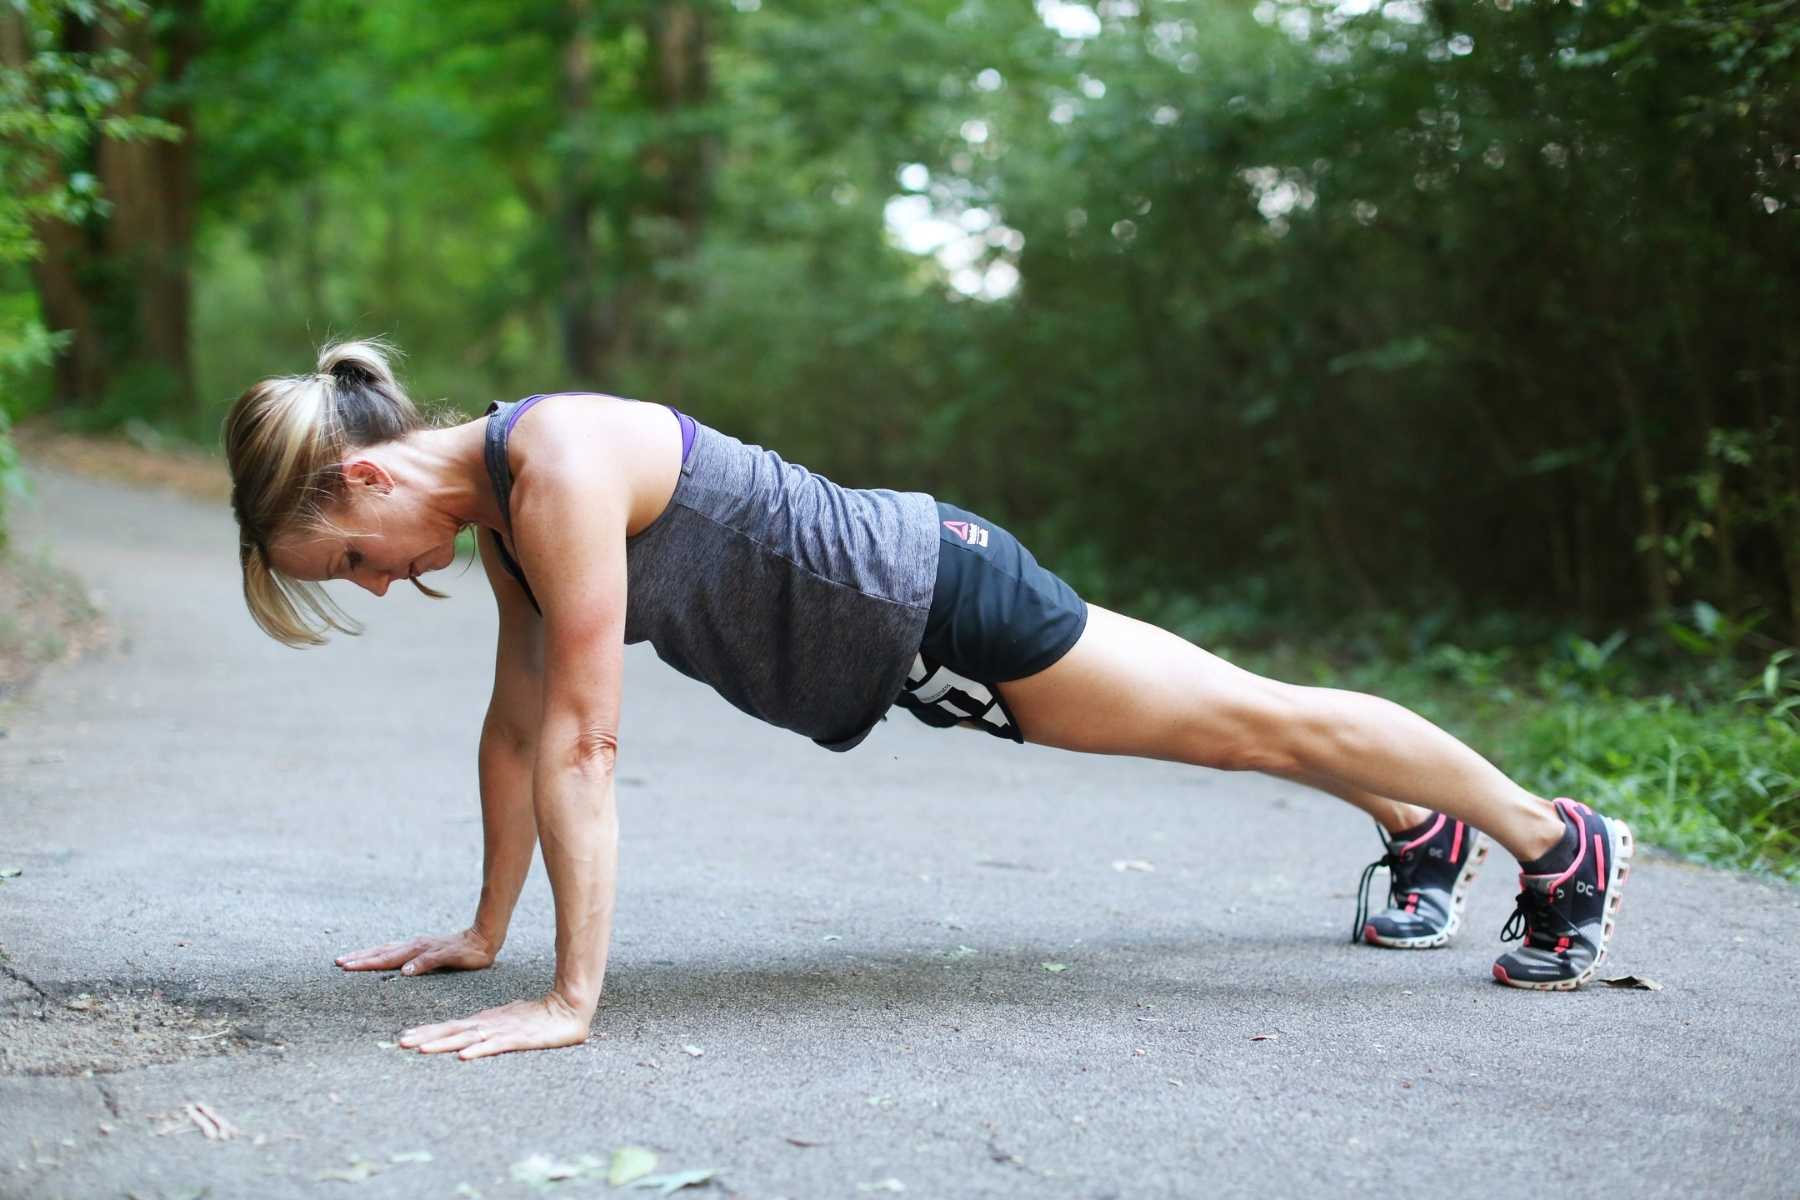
<point>1565,915</point>
<point>1430,868</point>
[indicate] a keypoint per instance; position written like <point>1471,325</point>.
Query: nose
<point>380,586</point>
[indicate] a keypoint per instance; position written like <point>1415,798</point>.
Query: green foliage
<point>52,104</point>
<point>1709,768</point>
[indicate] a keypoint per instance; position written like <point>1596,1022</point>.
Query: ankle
<point>1405,818</point>
<point>1548,832</point>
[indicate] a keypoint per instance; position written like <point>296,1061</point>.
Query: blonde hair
<point>286,439</point>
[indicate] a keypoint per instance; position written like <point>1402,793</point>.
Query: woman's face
<point>387,534</point>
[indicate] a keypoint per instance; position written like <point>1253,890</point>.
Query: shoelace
<point>1391,861</point>
<point>1534,911</point>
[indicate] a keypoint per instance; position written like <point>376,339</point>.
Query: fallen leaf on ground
<point>82,1003</point>
<point>1053,968</point>
<point>670,1184</point>
<point>410,1156</point>
<point>541,1169</point>
<point>1265,1037</point>
<point>629,1163</point>
<point>359,1170</point>
<point>889,1184</point>
<point>831,937</point>
<point>963,952</point>
<point>11,872</point>
<point>1132,864</point>
<point>692,1051</point>
<point>802,1143</point>
<point>215,1127</point>
<point>1633,981</point>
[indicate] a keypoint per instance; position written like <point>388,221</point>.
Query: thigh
<point>995,614</point>
<point>1129,687</point>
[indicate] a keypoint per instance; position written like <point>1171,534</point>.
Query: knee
<point>1275,729</point>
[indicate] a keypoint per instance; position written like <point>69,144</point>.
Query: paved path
<point>205,819</point>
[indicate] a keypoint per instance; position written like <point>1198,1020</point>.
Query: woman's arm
<point>582,565</point>
<point>570,510</point>
<point>504,762</point>
<point>507,754</point>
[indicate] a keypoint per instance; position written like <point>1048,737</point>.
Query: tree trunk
<point>679,164</point>
<point>1789,504</point>
<point>151,185</point>
<point>79,374</point>
<point>1643,470</point>
<point>585,336</point>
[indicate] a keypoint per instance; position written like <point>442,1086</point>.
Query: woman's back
<point>799,601</point>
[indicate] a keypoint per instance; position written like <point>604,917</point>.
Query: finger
<point>420,965</point>
<point>496,1043</point>
<point>454,1041</point>
<point>378,957</point>
<point>384,963</point>
<point>369,951</point>
<point>425,1033</point>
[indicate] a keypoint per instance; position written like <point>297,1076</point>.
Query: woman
<point>816,608</point>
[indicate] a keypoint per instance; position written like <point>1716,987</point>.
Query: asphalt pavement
<point>938,965</point>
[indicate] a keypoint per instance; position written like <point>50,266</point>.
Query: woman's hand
<point>465,951</point>
<point>522,1025</point>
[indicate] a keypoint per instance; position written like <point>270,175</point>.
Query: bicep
<point>569,529</point>
<point>515,707</point>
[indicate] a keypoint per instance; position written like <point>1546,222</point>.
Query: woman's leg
<point>1392,815</point>
<point>1128,687</point>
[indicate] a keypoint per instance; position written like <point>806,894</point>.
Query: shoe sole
<point>1624,846</point>
<point>1459,896</point>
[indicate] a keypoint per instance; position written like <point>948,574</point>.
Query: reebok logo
<point>968,531</point>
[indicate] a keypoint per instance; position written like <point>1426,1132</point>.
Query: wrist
<point>486,936</point>
<point>581,1001</point>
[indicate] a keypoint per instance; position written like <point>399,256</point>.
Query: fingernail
<point>407,969</point>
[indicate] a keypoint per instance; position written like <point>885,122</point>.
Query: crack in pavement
<point>18,976</point>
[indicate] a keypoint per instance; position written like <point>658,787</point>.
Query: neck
<point>450,465</point>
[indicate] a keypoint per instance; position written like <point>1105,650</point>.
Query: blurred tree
<point>116,279</point>
<point>57,99</point>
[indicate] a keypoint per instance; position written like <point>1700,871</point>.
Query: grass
<point>48,617</point>
<point>1689,729</point>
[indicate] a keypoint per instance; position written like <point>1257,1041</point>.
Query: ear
<point>366,472</point>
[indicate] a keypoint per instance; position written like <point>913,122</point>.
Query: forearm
<point>508,829</point>
<point>578,826</point>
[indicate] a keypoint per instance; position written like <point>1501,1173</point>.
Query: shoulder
<point>570,429</point>
<point>575,460</point>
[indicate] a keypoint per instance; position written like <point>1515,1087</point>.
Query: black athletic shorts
<point>996,615</point>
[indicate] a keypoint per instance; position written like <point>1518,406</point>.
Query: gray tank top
<point>801,602</point>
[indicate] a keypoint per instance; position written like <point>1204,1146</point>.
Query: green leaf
<point>670,1184</point>
<point>629,1163</point>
